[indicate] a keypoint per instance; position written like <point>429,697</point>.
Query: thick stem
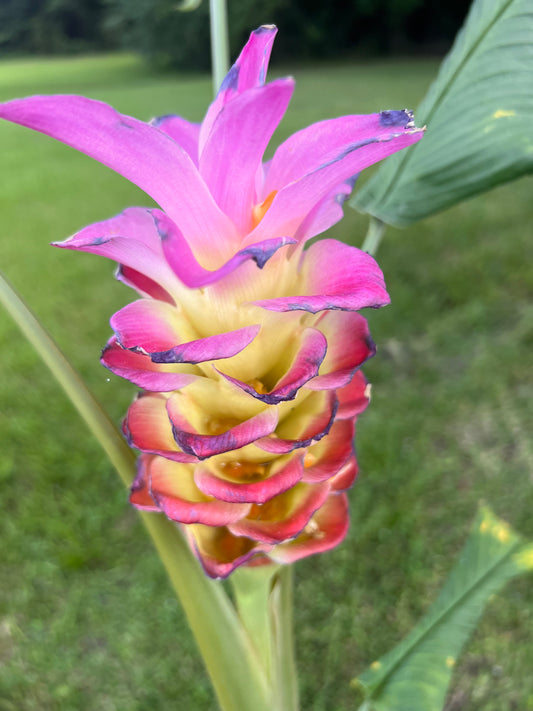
<point>284,666</point>
<point>263,597</point>
<point>238,678</point>
<point>252,587</point>
<point>376,229</point>
<point>219,42</point>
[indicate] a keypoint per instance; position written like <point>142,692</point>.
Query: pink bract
<point>247,345</point>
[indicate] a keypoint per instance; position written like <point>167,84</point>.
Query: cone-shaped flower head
<point>246,345</point>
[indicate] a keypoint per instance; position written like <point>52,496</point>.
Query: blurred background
<point>168,38</point>
<point>87,618</point>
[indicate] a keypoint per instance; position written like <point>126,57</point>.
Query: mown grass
<point>87,618</point>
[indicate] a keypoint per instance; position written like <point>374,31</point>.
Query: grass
<point>87,618</point>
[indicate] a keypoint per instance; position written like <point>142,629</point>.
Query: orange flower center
<point>259,211</point>
<point>243,471</point>
<point>309,460</point>
<point>258,386</point>
<point>214,426</point>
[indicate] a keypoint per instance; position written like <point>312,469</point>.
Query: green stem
<point>376,229</point>
<point>285,671</point>
<point>238,679</point>
<point>264,602</point>
<point>252,587</point>
<point>219,41</point>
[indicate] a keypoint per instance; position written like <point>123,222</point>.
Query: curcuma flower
<point>246,345</point>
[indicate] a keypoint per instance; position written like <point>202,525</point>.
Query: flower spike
<point>247,345</point>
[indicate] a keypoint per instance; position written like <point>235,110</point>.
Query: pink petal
<point>204,445</point>
<point>219,551</point>
<point>326,458</point>
<point>314,146</point>
<point>218,347</point>
<point>292,435</point>
<point>172,488</point>
<point>327,529</point>
<point>248,72</point>
<point>304,366</point>
<point>252,64</point>
<point>142,284</point>
<point>296,200</point>
<point>354,397</point>
<point>184,264</point>
<point>134,223</point>
<point>185,133</point>
<point>147,326</point>
<point>148,428</point>
<point>270,481</point>
<point>349,346</point>
<point>345,478</point>
<point>131,239</point>
<point>326,213</point>
<point>152,328</point>
<point>140,489</point>
<point>141,153</point>
<point>334,276</point>
<point>139,369</point>
<point>283,517</point>
<point>233,152</point>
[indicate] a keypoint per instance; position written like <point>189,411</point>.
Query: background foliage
<point>477,112</point>
<point>167,37</point>
<point>52,26</point>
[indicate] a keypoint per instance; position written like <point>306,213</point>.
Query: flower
<point>246,345</point>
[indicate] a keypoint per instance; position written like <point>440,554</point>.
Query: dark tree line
<point>169,37</point>
<point>52,26</point>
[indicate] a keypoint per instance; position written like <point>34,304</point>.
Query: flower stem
<point>376,229</point>
<point>263,598</point>
<point>219,41</point>
<point>285,671</point>
<point>239,680</point>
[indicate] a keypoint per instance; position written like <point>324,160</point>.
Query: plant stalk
<point>285,672</point>
<point>218,16</point>
<point>263,598</point>
<point>376,229</point>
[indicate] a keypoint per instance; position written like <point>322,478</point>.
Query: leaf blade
<point>415,675</point>
<point>478,115</point>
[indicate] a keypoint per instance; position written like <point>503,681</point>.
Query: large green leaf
<point>478,114</point>
<point>415,675</point>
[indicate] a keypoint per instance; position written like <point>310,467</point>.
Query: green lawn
<point>87,618</point>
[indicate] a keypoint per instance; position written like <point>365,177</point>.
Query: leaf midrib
<point>440,617</point>
<point>438,101</point>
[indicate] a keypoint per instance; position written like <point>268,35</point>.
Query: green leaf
<point>415,675</point>
<point>478,114</point>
